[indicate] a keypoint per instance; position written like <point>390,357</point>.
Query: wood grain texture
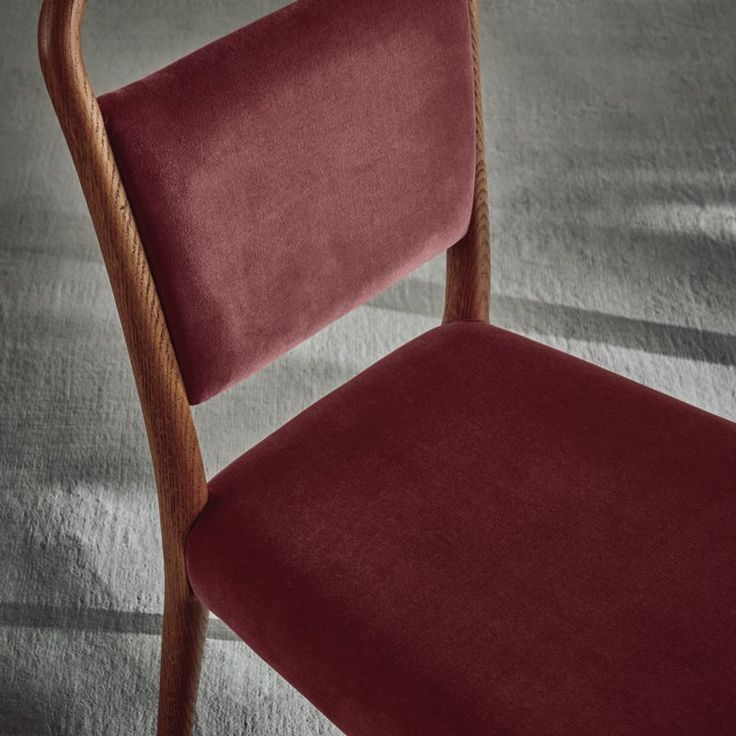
<point>468,280</point>
<point>180,478</point>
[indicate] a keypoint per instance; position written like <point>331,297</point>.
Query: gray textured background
<point>613,182</point>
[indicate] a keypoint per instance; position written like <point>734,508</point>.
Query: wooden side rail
<point>468,280</point>
<point>180,478</point>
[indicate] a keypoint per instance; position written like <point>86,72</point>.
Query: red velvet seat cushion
<point>481,536</point>
<point>289,171</point>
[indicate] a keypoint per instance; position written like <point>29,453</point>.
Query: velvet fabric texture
<point>482,536</point>
<point>289,171</point>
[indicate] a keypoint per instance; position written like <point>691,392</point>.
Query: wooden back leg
<point>182,646</point>
<point>177,461</point>
<point>468,280</point>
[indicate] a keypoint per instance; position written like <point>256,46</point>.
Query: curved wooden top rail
<point>177,462</point>
<point>172,437</point>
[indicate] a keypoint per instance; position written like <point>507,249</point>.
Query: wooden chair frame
<point>177,462</point>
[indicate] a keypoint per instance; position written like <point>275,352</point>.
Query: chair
<point>479,535</point>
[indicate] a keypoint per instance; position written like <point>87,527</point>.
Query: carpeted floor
<point>612,147</point>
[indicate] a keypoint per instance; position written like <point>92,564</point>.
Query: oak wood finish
<point>468,279</point>
<point>180,479</point>
<point>177,462</point>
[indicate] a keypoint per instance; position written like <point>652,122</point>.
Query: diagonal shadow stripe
<point>610,329</point>
<point>37,616</point>
<point>527,315</point>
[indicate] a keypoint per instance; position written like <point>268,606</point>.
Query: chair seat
<point>480,535</point>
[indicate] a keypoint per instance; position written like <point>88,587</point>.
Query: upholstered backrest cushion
<point>287,172</point>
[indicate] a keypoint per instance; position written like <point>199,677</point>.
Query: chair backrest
<point>430,118</point>
<point>287,172</point>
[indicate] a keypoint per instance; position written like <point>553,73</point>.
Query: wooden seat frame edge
<point>173,441</point>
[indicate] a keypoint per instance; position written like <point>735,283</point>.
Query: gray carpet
<point>613,182</point>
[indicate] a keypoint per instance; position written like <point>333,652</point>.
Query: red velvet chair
<point>476,536</point>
